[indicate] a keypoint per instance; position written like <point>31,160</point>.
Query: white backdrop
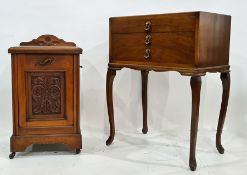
<point>169,97</point>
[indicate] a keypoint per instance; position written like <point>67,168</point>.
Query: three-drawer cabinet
<point>191,43</point>
<point>45,84</point>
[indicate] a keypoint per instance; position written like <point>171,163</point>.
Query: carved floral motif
<point>46,94</point>
<point>47,40</point>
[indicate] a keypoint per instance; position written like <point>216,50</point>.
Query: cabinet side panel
<point>15,106</point>
<point>214,39</point>
<point>196,58</point>
<point>110,40</point>
<point>77,94</point>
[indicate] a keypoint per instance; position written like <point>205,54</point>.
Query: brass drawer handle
<point>147,26</point>
<point>147,54</point>
<point>148,39</point>
<point>45,61</point>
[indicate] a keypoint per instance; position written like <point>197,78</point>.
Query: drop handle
<point>45,61</point>
<point>148,39</point>
<point>147,54</point>
<point>147,26</point>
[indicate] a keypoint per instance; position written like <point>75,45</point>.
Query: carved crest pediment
<point>47,40</point>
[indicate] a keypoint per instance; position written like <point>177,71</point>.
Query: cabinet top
<point>46,44</point>
<point>168,14</point>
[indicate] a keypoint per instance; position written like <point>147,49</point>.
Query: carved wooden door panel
<point>47,82</point>
<point>45,95</point>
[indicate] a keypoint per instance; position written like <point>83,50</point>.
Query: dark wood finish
<point>45,87</point>
<point>12,155</point>
<point>45,95</point>
<point>20,143</point>
<point>111,73</point>
<point>78,151</point>
<point>61,70</point>
<point>195,83</point>
<point>144,100</point>
<point>45,50</point>
<point>213,37</point>
<point>225,78</point>
<point>165,48</point>
<point>191,43</point>
<point>47,40</point>
<point>181,22</point>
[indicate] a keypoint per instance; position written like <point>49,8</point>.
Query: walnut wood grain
<point>159,23</point>
<point>111,73</point>
<point>195,83</point>
<point>204,47</point>
<point>165,48</point>
<point>45,50</point>
<point>183,70</point>
<point>225,78</point>
<point>191,43</point>
<point>20,143</point>
<point>63,66</point>
<point>47,40</point>
<point>45,95</point>
<point>45,91</point>
<point>144,75</point>
<point>213,39</point>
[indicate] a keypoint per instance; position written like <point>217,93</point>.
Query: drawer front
<point>154,23</point>
<point>45,88</point>
<point>46,61</point>
<point>174,48</point>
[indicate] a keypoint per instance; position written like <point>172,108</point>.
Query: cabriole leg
<point>195,83</point>
<point>111,73</point>
<point>144,100</point>
<point>225,78</point>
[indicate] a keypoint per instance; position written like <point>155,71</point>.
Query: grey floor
<point>131,153</point>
